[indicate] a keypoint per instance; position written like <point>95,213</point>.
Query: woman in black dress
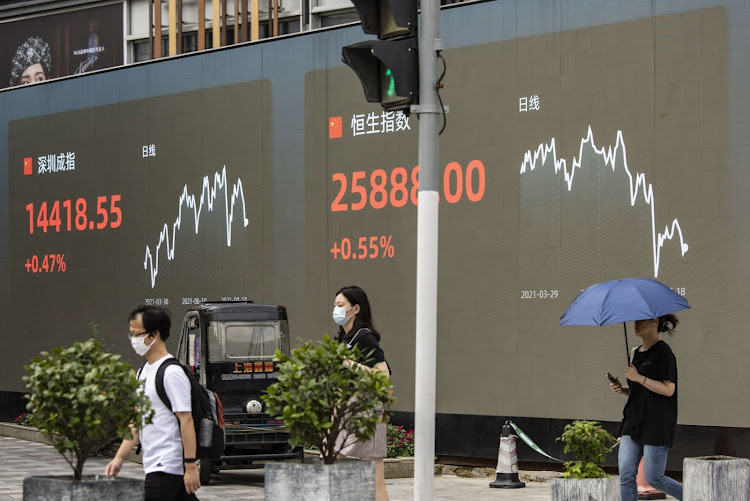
<point>650,414</point>
<point>351,311</point>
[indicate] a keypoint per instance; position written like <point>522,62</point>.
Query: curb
<point>23,433</point>
<point>393,467</point>
<point>31,434</point>
<point>544,477</point>
<point>399,467</point>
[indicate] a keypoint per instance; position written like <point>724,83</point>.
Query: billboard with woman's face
<point>57,45</point>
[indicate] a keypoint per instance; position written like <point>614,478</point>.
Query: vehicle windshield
<point>228,341</point>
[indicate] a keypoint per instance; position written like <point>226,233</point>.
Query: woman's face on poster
<point>32,74</point>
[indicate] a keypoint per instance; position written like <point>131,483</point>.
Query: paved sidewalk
<point>19,458</point>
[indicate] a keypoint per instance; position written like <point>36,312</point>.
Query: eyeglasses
<point>139,334</point>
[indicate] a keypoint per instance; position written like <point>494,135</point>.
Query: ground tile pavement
<point>19,459</point>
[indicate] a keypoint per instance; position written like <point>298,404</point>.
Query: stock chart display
<point>568,159</point>
<point>157,201</point>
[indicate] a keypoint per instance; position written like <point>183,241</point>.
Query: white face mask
<point>139,344</point>
<point>339,315</point>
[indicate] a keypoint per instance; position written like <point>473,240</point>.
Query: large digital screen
<point>159,201</point>
<point>602,144</point>
<point>568,159</point>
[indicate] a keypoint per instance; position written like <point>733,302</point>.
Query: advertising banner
<point>61,44</point>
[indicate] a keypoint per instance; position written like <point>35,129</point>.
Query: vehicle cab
<point>231,346</point>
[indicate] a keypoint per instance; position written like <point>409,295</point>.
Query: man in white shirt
<point>168,443</point>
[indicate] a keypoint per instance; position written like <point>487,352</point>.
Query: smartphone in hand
<point>611,378</point>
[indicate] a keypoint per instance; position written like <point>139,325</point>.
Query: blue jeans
<point>655,462</point>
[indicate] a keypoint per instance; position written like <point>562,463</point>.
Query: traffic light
<point>388,67</point>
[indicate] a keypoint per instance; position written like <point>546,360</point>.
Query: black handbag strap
<point>351,341</point>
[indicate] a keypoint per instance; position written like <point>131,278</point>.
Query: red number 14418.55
<point>69,213</point>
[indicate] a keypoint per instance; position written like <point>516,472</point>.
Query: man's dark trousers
<point>166,487</point>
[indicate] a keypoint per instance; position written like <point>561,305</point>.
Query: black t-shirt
<point>370,352</point>
<point>650,418</point>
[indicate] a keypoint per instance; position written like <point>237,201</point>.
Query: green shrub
<point>83,399</point>
<point>318,397</point>
<point>590,444</point>
<point>400,442</point>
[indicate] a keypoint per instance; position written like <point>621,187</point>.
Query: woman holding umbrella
<point>650,414</point>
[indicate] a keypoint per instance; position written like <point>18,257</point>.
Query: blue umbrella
<point>623,301</point>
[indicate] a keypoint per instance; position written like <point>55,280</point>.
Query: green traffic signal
<point>389,96</point>
<point>388,70</point>
<point>388,67</point>
<point>391,83</point>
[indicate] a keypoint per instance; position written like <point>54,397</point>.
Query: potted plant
<point>584,479</point>
<point>83,398</point>
<point>320,397</point>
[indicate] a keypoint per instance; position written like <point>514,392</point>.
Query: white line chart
<point>208,196</point>
<point>637,186</point>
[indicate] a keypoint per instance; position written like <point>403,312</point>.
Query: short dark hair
<point>154,318</point>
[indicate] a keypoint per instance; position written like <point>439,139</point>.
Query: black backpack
<point>208,415</point>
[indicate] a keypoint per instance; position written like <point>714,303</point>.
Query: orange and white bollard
<point>645,491</point>
<point>507,462</point>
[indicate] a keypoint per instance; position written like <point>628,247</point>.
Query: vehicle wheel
<point>204,471</point>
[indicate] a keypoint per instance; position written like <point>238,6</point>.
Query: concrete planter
<point>90,488</point>
<point>311,480</point>
<point>587,489</point>
<point>716,478</point>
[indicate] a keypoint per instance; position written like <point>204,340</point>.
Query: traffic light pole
<point>427,253</point>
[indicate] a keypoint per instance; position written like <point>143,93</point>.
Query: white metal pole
<point>427,254</point>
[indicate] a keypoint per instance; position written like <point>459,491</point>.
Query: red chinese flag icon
<point>335,129</point>
<point>28,164</point>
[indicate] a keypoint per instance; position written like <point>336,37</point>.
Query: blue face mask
<point>339,315</point>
